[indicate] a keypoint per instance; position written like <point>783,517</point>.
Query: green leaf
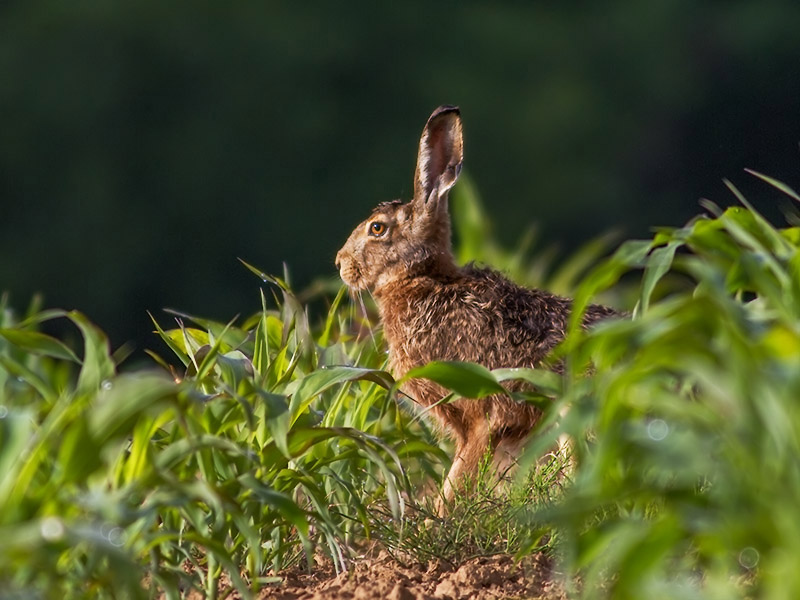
<point>40,383</point>
<point>658,264</point>
<point>39,343</point>
<point>42,316</point>
<point>16,431</point>
<point>98,366</point>
<point>629,255</point>
<point>469,220</point>
<point>179,351</point>
<point>210,358</point>
<point>776,184</point>
<point>752,230</point>
<point>324,338</point>
<point>261,358</point>
<point>126,397</point>
<point>278,419</point>
<point>544,381</point>
<point>79,454</point>
<point>189,446</point>
<point>265,277</point>
<point>303,438</point>
<point>231,336</point>
<point>565,278</point>
<point>469,380</point>
<point>317,382</point>
<point>287,508</point>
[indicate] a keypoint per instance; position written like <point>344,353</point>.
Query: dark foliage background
<point>145,145</point>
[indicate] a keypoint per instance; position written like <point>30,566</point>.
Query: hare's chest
<point>439,328</point>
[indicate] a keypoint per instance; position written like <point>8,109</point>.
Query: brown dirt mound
<point>487,578</point>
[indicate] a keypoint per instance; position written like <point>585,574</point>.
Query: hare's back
<point>476,316</point>
<point>525,323</point>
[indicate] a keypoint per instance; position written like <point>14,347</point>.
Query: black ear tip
<point>443,110</point>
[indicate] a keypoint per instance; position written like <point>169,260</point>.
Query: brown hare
<point>432,309</point>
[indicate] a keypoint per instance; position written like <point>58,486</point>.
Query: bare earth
<point>382,577</point>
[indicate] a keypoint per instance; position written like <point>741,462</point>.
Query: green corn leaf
<point>278,419</point>
<point>261,357</point>
<point>469,380</point>
<point>16,430</point>
<point>282,503</point>
<point>265,277</point>
<point>563,281</point>
<point>231,336</point>
<point>79,453</point>
<point>776,184</point>
<point>98,367</point>
<point>330,320</point>
<point>41,317</point>
<point>317,382</point>
<point>186,447</point>
<point>124,399</point>
<point>545,381</point>
<point>303,438</point>
<point>39,343</point>
<point>658,264</point>
<point>630,255</point>
<point>40,383</point>
<point>179,351</point>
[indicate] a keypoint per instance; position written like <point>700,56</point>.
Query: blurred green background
<point>146,145</point>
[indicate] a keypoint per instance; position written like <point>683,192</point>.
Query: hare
<point>432,309</point>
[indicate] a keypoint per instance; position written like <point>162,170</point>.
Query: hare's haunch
<point>432,309</point>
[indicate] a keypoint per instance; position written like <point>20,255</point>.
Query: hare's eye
<point>377,228</point>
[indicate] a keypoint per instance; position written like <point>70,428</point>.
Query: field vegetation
<point>280,439</point>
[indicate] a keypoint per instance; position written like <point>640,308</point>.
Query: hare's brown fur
<point>433,310</point>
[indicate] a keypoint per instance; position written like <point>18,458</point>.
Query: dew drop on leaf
<point>52,529</point>
<point>657,429</point>
<point>117,537</point>
<point>749,557</point>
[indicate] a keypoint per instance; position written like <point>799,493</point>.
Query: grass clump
<point>488,516</point>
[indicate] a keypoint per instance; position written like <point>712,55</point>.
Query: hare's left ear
<point>441,152</point>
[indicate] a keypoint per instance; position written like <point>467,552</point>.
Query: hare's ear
<point>441,152</point>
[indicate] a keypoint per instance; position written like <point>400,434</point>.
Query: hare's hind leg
<point>506,454</point>
<point>470,449</point>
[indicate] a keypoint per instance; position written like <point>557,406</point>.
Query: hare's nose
<point>338,262</point>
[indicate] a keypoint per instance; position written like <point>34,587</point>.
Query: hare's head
<point>403,240</point>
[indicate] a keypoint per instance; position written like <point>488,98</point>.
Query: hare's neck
<point>437,266</point>
<point>407,308</point>
<point>418,280</point>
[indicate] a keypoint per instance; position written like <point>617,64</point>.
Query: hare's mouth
<point>351,275</point>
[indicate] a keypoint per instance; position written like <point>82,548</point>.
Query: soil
<point>486,578</point>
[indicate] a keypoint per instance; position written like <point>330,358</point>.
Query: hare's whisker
<point>366,318</point>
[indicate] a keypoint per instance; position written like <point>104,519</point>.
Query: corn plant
<point>689,479</point>
<point>684,418</point>
<point>264,445</point>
